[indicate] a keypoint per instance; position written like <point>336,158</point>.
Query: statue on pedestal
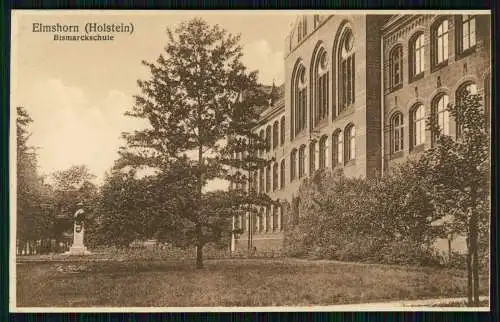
<point>78,247</point>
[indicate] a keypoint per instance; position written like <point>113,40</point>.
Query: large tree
<point>459,170</point>
<point>190,101</point>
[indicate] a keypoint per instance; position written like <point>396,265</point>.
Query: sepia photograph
<point>223,160</point>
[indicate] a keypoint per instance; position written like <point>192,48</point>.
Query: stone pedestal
<point>78,248</point>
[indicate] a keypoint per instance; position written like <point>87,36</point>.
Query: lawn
<point>244,282</point>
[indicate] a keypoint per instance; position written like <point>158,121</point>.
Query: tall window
<point>417,55</point>
<point>261,181</point>
<point>262,138</point>
<point>397,135</point>
<point>468,88</point>
<point>346,71</point>
<point>304,26</point>
<point>275,176</point>
<point>337,148</point>
<point>282,130</point>
<point>440,42</point>
<point>299,31</point>
<point>268,218</point>
<point>323,151</point>
<point>312,157</point>
<point>396,63</point>
<point>268,138</point>
<point>302,161</point>
<point>268,178</point>
<point>299,108</point>
<point>350,143</point>
<point>275,134</point>
<point>418,125</point>
<point>293,165</point>
<point>275,217</point>
<point>320,87</point>
<point>466,33</point>
<point>255,181</point>
<point>282,174</point>
<point>442,114</point>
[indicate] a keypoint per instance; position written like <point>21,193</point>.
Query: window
<point>255,182</point>
<point>268,219</point>
<point>302,161</point>
<point>397,135</point>
<point>268,178</point>
<point>312,157</point>
<point>466,37</point>
<point>262,138</point>
<point>304,27</point>
<point>346,71</point>
<point>299,107</point>
<point>282,130</point>
<point>261,219</point>
<point>320,87</point>
<point>337,149</point>
<point>470,89</point>
<point>323,146</point>
<point>418,126</point>
<point>268,138</point>
<point>417,55</point>
<point>293,165</point>
<point>299,32</point>
<point>440,42</point>
<point>275,217</point>
<point>261,181</point>
<point>396,63</point>
<point>350,143</point>
<point>275,134</point>
<point>282,174</point>
<point>275,176</point>
<point>442,114</point>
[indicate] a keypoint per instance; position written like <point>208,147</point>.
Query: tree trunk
<point>199,256</point>
<point>469,272</point>
<point>475,257</point>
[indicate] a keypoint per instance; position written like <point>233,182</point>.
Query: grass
<point>250,282</point>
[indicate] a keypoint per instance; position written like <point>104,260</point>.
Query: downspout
<point>382,123</point>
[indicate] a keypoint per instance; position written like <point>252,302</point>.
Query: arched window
<point>268,178</point>
<point>466,36</point>
<point>396,63</point>
<point>275,176</point>
<point>350,143</point>
<point>262,138</point>
<point>462,92</point>
<point>323,151</point>
<point>337,148</point>
<point>282,174</point>
<point>418,125</point>
<point>442,114</point>
<point>299,100</point>
<point>346,70</point>
<point>397,134</point>
<point>312,157</point>
<point>275,134</point>
<point>440,42</point>
<point>282,130</point>
<point>417,55</point>
<point>293,165</point>
<point>320,87</point>
<point>268,138</point>
<point>302,161</point>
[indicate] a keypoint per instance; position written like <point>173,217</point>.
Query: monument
<point>78,247</point>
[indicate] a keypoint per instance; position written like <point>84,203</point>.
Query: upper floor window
<point>282,130</point>
<point>299,107</point>
<point>440,42</point>
<point>396,63</point>
<point>275,135</point>
<point>462,92</point>
<point>275,176</point>
<point>466,33</point>
<point>418,125</point>
<point>320,87</point>
<point>337,148</point>
<point>350,143</point>
<point>293,165</point>
<point>262,138</point>
<point>417,55</point>
<point>282,174</point>
<point>268,178</point>
<point>312,157</point>
<point>261,181</point>
<point>346,71</point>
<point>268,138</point>
<point>442,114</point>
<point>397,134</point>
<point>302,161</point>
<point>323,147</point>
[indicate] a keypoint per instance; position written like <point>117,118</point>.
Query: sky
<point>77,92</point>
